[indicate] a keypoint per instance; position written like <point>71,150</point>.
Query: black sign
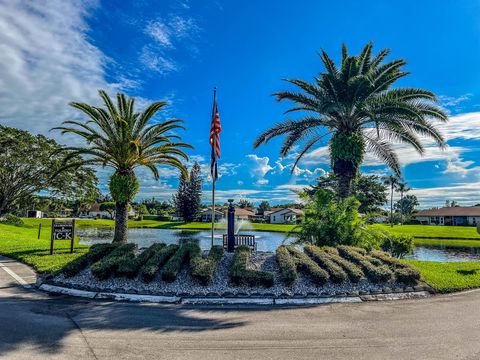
<point>62,230</point>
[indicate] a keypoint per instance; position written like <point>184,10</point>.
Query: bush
<point>156,262</point>
<point>11,219</point>
<point>130,266</point>
<point>308,266</point>
<point>355,274</point>
<point>337,275</point>
<point>287,266</point>
<point>204,269</point>
<point>186,252</point>
<point>375,273</point>
<point>398,245</point>
<point>107,266</point>
<point>240,275</point>
<point>403,272</point>
<point>95,253</point>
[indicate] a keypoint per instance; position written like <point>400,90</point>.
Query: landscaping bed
<point>185,271</point>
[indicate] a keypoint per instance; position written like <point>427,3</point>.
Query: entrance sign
<point>62,230</point>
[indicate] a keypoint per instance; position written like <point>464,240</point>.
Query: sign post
<point>62,230</point>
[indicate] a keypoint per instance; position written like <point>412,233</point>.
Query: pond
<point>266,242</point>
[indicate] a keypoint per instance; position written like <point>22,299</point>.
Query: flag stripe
<point>215,130</point>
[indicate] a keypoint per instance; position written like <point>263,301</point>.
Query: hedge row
<point>130,266</point>
<point>288,268</point>
<point>355,274</point>
<point>240,275</point>
<point>95,253</point>
<point>308,266</point>
<point>403,272</point>
<point>204,269</point>
<point>107,266</point>
<point>156,262</point>
<point>337,275</point>
<point>375,273</point>
<point>174,265</point>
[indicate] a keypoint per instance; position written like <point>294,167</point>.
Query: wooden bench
<point>245,240</point>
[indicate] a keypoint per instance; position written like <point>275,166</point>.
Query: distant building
<point>450,216</point>
<point>94,212</point>
<point>243,214</point>
<point>34,214</point>
<point>285,216</point>
<point>206,215</point>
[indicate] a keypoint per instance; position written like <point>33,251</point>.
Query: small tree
<point>406,205</point>
<point>264,206</point>
<point>244,203</point>
<point>108,207</point>
<point>187,200</point>
<point>392,181</point>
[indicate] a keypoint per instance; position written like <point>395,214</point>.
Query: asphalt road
<point>34,325</point>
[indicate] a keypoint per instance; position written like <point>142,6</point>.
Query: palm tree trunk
<point>121,223</point>
<point>401,208</point>
<point>391,206</point>
<point>345,172</point>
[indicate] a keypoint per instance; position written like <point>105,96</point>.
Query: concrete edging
<point>230,300</point>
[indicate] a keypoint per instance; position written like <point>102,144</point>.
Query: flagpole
<point>213,177</point>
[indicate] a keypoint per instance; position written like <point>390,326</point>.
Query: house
<point>94,212</point>
<point>206,215</point>
<point>454,216</point>
<point>285,216</point>
<point>243,214</point>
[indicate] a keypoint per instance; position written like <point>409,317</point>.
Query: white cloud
<point>258,167</point>
<point>46,61</point>
<point>157,62</point>
<point>464,193</point>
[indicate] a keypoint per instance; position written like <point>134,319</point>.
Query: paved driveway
<point>37,326</point>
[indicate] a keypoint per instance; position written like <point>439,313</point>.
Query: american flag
<point>215,130</point>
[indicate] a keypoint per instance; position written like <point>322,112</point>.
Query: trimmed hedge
<point>95,253</point>
<point>375,273</point>
<point>355,274</point>
<point>204,269</point>
<point>337,275</point>
<point>174,265</point>
<point>156,262</point>
<point>106,267</point>
<point>240,275</point>
<point>130,266</point>
<point>288,268</point>
<point>308,266</point>
<point>404,273</point>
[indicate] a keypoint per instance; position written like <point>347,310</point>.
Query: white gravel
<point>184,285</point>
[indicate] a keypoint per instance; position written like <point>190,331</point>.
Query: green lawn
<point>449,277</point>
<point>101,223</point>
<point>431,231</point>
<point>21,243</point>
<point>450,243</point>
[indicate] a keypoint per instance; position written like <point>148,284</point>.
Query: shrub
<point>397,245</point>
<point>204,269</point>
<point>156,262</point>
<point>374,273</point>
<point>186,252</point>
<point>308,266</point>
<point>403,272</point>
<point>337,275</point>
<point>11,219</point>
<point>240,275</point>
<point>130,266</point>
<point>288,268</point>
<point>95,253</point>
<point>107,266</point>
<point>355,274</point>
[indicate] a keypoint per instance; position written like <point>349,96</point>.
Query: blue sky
<point>56,51</point>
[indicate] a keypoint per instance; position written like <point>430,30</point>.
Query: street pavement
<point>34,325</point>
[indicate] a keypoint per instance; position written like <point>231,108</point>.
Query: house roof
<point>296,211</point>
<point>210,209</point>
<point>243,212</point>
<point>451,211</point>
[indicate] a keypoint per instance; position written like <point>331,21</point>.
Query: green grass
<point>449,277</point>
<point>450,243</point>
<point>21,243</point>
<point>431,231</point>
<point>102,223</point>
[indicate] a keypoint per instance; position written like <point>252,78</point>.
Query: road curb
<point>268,301</point>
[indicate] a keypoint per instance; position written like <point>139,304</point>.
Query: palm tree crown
<point>121,138</point>
<point>357,107</point>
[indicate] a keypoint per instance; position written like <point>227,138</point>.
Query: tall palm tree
<point>355,105</point>
<point>402,188</point>
<point>391,180</point>
<point>123,139</point>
